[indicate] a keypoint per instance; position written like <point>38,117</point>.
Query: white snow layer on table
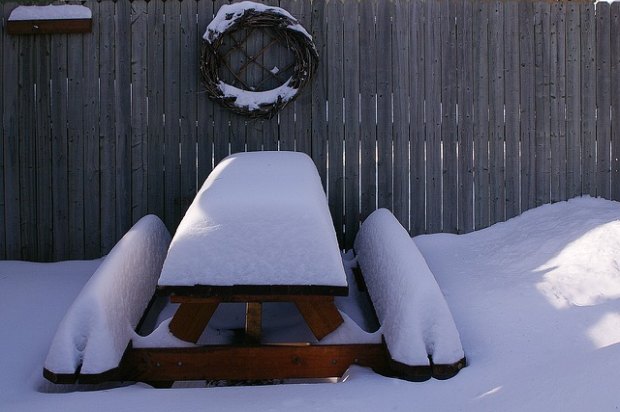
<point>254,100</point>
<point>415,319</point>
<point>260,218</point>
<point>59,12</point>
<point>101,321</point>
<point>229,13</point>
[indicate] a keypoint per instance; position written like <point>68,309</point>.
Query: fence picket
<point>588,100</point>
<point>615,101</point>
<point>603,99</point>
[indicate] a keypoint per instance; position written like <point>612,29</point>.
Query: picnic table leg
<point>321,315</point>
<point>253,321</point>
<point>191,319</point>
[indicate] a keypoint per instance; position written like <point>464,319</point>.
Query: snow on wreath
<point>236,45</point>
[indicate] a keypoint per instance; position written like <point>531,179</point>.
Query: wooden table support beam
<point>191,319</point>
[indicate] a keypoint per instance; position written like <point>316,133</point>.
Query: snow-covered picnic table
<point>259,230</point>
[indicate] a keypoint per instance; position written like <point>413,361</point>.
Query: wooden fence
<point>454,114</point>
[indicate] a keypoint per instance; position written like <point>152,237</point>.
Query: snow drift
<point>101,321</point>
<point>415,319</point>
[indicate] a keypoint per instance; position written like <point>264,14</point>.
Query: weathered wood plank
<point>615,101</point>
<point>558,96</point>
<point>542,52</point>
<point>588,99</point>
<point>92,171</point>
<point>286,125</point>
<point>321,315</point>
<point>60,188</point>
<point>191,319</point>
<point>433,117</point>
<point>352,122</point>
<point>466,73</point>
<point>417,65</point>
<point>497,172</point>
<point>75,145</point>
<point>449,140</point>
<point>481,115</point>
<point>400,91</point>
<point>43,150</point>
<point>188,110</point>
<point>139,107</point>
<point>573,101</point>
<point>122,116</point>
<point>335,121</point>
<point>2,204</point>
<point>303,103</point>
<point>107,127</point>
<point>204,105</point>
<point>527,104</point>
<point>172,60</point>
<point>258,362</point>
<point>554,110</point>
<point>384,106</point>
<point>10,76</point>
<point>368,127</point>
<point>511,102</point>
<point>319,91</point>
<point>155,114</point>
<point>221,117</point>
<point>603,100</point>
<point>26,145</point>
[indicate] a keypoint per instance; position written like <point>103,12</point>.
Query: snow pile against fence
<point>98,326</point>
<point>414,316</point>
<point>260,218</point>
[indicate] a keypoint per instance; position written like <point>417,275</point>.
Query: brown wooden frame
<point>49,26</point>
<point>159,366</point>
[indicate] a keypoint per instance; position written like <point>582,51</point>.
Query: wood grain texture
<point>335,119</point>
<point>401,110</point>
<point>26,147</point>
<point>588,99</point>
<point>351,123</point>
<point>466,73</point>
<point>615,100</point>
<point>481,115</point>
<point>497,170</point>
<point>573,101</point>
<point>107,127</point>
<point>75,145</point>
<point>139,110</point>
<point>527,104</point>
<point>191,319</point>
<point>432,97</point>
<point>449,167</point>
<point>368,126</point>
<point>321,315</point>
<point>603,100</point>
<point>417,130</point>
<point>511,102</point>
<point>92,169</point>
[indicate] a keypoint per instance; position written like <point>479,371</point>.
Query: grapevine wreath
<point>285,29</point>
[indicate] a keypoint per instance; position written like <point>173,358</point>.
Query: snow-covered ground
<point>536,301</point>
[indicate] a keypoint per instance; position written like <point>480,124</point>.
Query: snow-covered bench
<point>100,323</point>
<point>416,322</point>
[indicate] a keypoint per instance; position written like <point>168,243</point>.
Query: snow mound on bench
<point>101,321</point>
<point>261,218</point>
<point>414,316</point>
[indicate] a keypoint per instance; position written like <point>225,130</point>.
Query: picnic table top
<point>259,224</point>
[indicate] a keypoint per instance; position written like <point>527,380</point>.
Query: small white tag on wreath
<point>288,32</point>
